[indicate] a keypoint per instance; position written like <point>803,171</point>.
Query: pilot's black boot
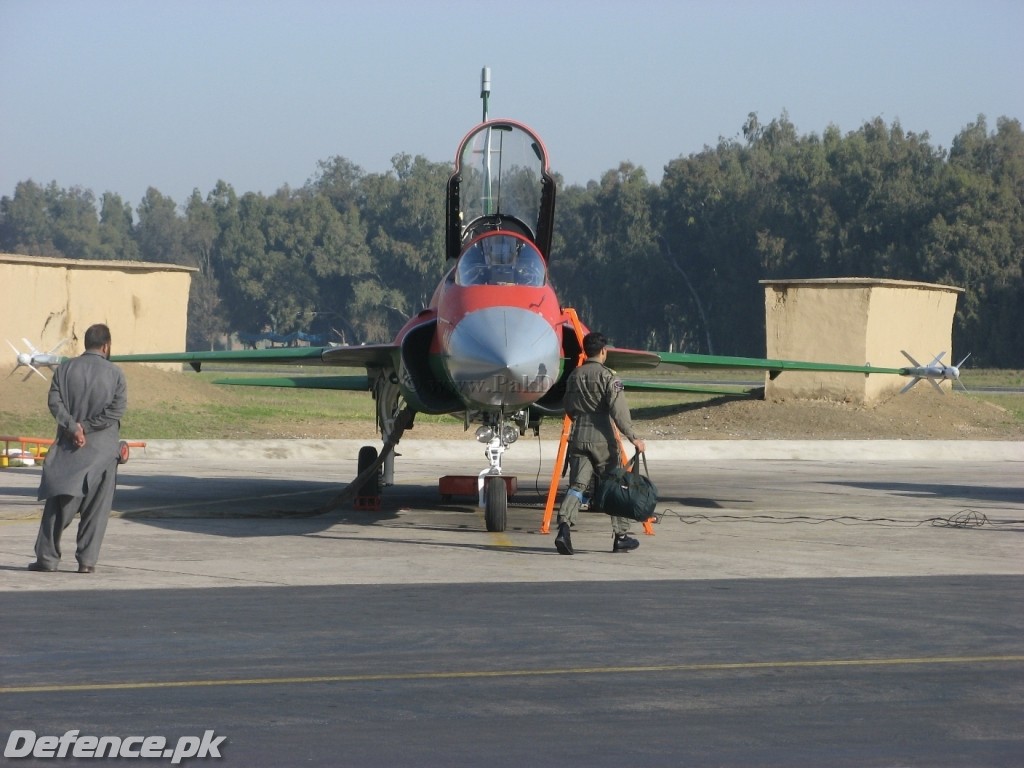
<point>623,542</point>
<point>563,541</point>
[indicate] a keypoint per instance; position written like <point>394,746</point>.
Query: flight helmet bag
<point>624,492</point>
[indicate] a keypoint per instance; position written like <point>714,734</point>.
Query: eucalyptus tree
<point>327,251</point>
<point>116,229</point>
<point>75,226</point>
<point>26,226</point>
<point>237,256</point>
<point>53,221</point>
<point>404,214</point>
<point>709,205</point>
<point>570,262</point>
<point>160,231</point>
<point>881,193</point>
<point>206,323</point>
<point>976,240</point>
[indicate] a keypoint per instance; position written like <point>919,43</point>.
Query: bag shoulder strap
<point>634,463</point>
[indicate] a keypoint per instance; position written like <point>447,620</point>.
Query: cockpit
<point>500,259</point>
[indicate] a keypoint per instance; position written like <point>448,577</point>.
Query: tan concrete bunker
<point>49,300</point>
<point>855,321</point>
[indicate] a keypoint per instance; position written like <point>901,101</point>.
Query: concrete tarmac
<point>799,604</point>
<point>220,514</point>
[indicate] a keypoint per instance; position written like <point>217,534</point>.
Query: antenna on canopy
<point>485,88</point>
<point>485,93</point>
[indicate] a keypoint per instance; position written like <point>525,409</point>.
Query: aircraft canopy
<point>501,182</point>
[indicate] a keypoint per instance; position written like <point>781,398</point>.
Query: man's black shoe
<point>86,568</point>
<point>563,541</point>
<point>35,565</point>
<point>623,542</point>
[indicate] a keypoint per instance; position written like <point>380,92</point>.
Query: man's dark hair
<point>96,336</point>
<point>594,342</point>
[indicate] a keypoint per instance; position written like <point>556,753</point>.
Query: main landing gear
<point>368,493</point>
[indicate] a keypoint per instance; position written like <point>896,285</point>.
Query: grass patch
<point>166,405</point>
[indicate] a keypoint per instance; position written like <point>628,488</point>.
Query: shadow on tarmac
<point>225,506</point>
<point>945,491</point>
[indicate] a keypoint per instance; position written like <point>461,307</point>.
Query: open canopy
<point>501,182</point>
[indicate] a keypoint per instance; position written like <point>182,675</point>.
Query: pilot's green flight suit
<point>594,400</point>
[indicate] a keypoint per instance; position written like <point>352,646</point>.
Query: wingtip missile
<point>935,372</point>
<point>34,359</point>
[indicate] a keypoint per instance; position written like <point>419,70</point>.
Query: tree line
<point>673,265</point>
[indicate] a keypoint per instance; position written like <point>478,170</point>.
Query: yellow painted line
<point>501,539</point>
<point>490,674</point>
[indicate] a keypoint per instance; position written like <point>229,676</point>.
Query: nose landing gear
<point>492,486</point>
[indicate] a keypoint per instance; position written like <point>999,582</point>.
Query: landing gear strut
<point>493,493</point>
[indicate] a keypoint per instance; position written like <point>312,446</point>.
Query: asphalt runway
<point>786,612</point>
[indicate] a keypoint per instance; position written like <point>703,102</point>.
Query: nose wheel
<point>492,489</point>
<point>496,504</point>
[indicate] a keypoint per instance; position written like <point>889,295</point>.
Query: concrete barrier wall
<point>856,321</point>
<point>47,300</point>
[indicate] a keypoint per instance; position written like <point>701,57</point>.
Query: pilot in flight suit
<point>595,402</point>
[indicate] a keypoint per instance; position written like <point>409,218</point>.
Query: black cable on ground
<point>966,518</point>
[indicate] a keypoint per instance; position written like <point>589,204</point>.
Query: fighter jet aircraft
<point>494,345</point>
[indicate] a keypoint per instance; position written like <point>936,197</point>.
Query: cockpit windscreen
<point>499,259</point>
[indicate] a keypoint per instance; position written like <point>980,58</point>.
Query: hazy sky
<point>119,95</point>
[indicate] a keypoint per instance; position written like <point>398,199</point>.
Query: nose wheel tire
<point>496,511</point>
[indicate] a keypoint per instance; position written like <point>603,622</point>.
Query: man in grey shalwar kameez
<point>88,397</point>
